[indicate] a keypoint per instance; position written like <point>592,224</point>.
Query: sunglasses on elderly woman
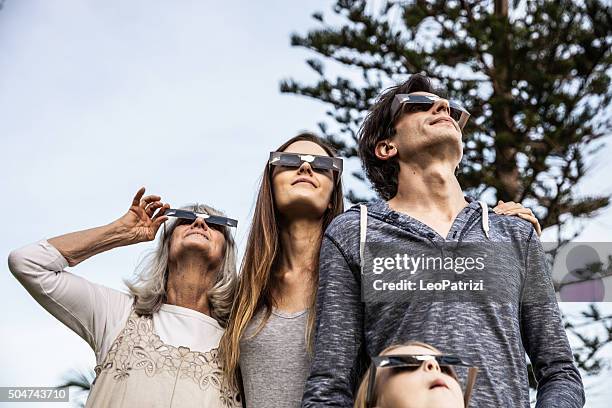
<point>406,103</point>
<point>458,368</point>
<point>190,216</point>
<point>315,161</point>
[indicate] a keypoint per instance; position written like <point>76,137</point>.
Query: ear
<point>385,150</point>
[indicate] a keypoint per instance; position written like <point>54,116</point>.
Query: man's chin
<point>445,133</point>
<point>443,141</point>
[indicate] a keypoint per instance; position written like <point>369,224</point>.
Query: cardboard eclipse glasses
<point>403,101</point>
<point>209,219</point>
<point>315,161</point>
<point>463,371</point>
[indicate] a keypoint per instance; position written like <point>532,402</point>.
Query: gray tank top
<point>275,363</point>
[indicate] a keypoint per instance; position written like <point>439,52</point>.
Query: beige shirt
<point>137,357</point>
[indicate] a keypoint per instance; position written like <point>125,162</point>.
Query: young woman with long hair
<point>267,339</point>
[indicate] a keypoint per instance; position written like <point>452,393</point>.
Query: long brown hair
<point>263,250</point>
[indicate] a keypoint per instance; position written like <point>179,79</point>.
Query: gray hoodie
<point>494,335</point>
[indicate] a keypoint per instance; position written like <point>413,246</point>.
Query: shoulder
<point>344,229</point>
<point>348,219</point>
<point>343,235</point>
<point>512,227</point>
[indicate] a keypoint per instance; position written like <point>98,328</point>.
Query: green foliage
<point>537,83</point>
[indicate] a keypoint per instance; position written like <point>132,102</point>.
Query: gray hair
<point>148,285</point>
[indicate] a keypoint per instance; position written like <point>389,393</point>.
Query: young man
<point>410,152</point>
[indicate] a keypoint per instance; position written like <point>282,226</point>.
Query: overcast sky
<point>98,98</point>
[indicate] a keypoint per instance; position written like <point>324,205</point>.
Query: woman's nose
<point>305,167</point>
<point>199,222</point>
<point>431,365</point>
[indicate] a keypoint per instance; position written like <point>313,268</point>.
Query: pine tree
<point>535,80</point>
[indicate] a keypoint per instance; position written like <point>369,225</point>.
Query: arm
<point>544,338</point>
<point>338,335</point>
<point>137,225</point>
<point>81,305</point>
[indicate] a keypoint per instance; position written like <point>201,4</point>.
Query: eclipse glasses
<point>424,102</point>
<point>209,219</point>
<point>315,161</point>
<point>456,367</point>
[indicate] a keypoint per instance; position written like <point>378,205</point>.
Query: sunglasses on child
<point>186,216</point>
<point>411,362</point>
<point>406,103</point>
<point>315,161</point>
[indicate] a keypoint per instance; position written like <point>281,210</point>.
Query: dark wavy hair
<point>379,125</point>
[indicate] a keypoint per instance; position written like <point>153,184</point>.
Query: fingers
<point>149,200</point>
<point>499,207</point>
<point>532,219</point>
<point>148,203</point>
<point>517,211</point>
<point>162,211</point>
<point>159,221</point>
<point>138,196</point>
<point>151,207</point>
<point>512,208</point>
<point>502,208</point>
<point>160,218</point>
<point>138,200</point>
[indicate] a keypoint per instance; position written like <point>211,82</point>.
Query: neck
<point>300,242</point>
<point>428,186</point>
<point>189,280</point>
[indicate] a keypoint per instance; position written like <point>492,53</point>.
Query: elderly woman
<point>158,345</point>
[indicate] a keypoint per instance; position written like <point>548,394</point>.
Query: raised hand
<point>512,208</point>
<point>142,222</point>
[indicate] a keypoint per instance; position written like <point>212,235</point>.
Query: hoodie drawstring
<point>485,217</point>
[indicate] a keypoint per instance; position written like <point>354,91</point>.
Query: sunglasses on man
<point>406,103</point>
<point>190,216</point>
<point>448,364</point>
<point>315,161</point>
